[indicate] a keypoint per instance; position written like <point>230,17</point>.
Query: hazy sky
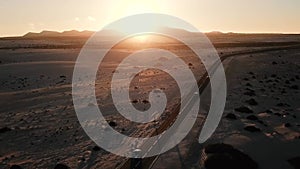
<point>18,17</point>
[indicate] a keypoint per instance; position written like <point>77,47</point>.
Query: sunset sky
<point>273,16</point>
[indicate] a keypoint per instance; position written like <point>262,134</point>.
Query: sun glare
<point>132,7</point>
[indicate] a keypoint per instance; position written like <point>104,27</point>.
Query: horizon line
<point>205,32</point>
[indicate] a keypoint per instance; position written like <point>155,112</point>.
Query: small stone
<point>61,166</point>
<point>145,101</point>
<point>231,116</point>
<point>252,117</point>
<point>112,124</point>
<point>252,129</point>
<point>244,109</point>
<point>287,125</point>
<point>15,167</point>
<point>134,101</point>
<point>5,129</point>
<point>250,93</point>
<point>252,102</point>
<point>295,87</point>
<point>96,148</point>
<point>249,85</point>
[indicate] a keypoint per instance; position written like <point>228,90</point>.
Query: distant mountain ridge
<point>71,33</point>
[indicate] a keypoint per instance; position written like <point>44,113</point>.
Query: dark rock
<point>274,63</point>
<point>295,162</point>
<point>225,156</point>
<point>295,87</point>
<point>112,124</point>
<point>278,114</point>
<point>273,75</point>
<point>252,102</point>
<point>243,109</point>
<point>249,85</point>
<point>287,125</point>
<point>252,117</point>
<point>145,101</point>
<point>231,116</point>
<point>283,105</point>
<point>252,129</point>
<point>134,101</point>
<point>96,148</point>
<point>269,111</point>
<point>15,167</point>
<point>250,92</point>
<point>61,166</point>
<point>5,129</point>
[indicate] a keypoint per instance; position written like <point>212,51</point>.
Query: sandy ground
<point>267,84</point>
<point>39,127</point>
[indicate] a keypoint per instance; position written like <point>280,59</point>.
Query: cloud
<point>91,19</point>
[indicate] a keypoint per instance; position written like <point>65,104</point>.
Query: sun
<point>125,8</point>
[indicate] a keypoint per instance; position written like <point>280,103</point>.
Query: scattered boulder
<point>243,109</point>
<point>226,156</point>
<point>295,162</point>
<point>273,75</point>
<point>269,111</point>
<point>295,87</point>
<point>287,125</point>
<point>278,114</point>
<point>248,84</point>
<point>283,105</point>
<point>134,101</point>
<point>252,129</point>
<point>5,129</point>
<point>112,124</point>
<point>145,101</point>
<point>250,93</point>
<point>61,166</point>
<point>15,167</point>
<point>252,102</point>
<point>231,116</point>
<point>96,148</point>
<point>252,117</point>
